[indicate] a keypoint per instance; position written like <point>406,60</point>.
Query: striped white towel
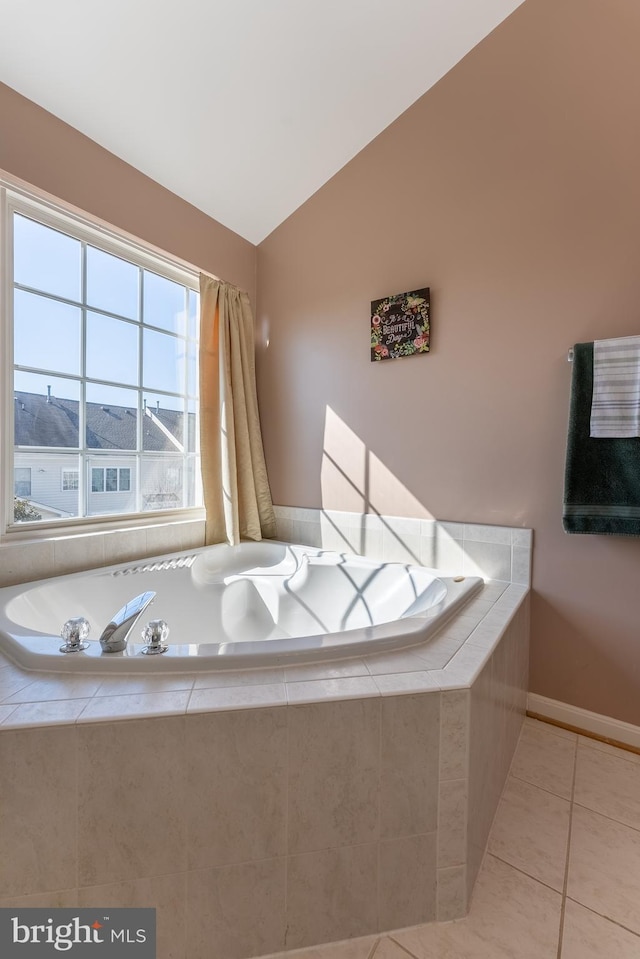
<point>615,405</point>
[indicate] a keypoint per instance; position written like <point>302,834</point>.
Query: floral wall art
<point>400,325</point>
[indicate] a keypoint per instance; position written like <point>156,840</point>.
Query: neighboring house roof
<point>48,421</point>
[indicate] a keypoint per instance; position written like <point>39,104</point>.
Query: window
<point>22,482</point>
<point>110,480</point>
<point>70,480</point>
<point>105,358</point>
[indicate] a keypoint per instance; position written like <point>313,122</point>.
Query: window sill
<point>39,532</point>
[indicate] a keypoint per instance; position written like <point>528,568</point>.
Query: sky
<point>48,323</point>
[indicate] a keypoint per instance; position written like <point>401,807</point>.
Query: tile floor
<point>561,878</point>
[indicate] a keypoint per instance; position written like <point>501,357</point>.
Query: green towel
<point>602,476</point>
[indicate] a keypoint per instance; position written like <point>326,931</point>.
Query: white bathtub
<point>256,604</point>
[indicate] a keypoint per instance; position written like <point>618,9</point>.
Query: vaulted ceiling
<point>244,108</point>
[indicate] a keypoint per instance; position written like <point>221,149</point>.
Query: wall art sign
<point>400,325</point>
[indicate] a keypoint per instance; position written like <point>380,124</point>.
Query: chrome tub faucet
<point>116,633</point>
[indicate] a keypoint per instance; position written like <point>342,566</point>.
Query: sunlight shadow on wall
<point>380,510</point>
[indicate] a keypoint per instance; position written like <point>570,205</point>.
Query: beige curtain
<point>237,498</point>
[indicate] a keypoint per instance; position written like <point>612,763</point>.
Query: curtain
<point>237,498</point>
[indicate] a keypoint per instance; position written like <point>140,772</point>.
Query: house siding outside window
<point>22,482</point>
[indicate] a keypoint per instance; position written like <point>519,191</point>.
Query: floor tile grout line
<point>601,915</point>
<point>522,872</point>
<point>622,754</point>
<point>568,854</point>
<point>400,946</point>
<point>374,949</point>
<point>550,727</point>
<point>618,822</point>
<point>534,738</point>
<point>571,798</point>
<point>549,792</point>
<point>585,736</point>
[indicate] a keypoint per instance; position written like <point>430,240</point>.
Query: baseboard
<point>583,721</point>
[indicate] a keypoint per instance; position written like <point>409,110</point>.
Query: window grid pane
<point>70,480</point>
<point>22,481</point>
<point>97,480</point>
<point>112,283</point>
<point>46,259</point>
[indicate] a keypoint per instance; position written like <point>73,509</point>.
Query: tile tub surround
<point>23,560</point>
<point>267,810</point>
<point>257,825</point>
<point>576,815</point>
<point>495,552</point>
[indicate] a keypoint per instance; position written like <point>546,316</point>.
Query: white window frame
<point>19,197</point>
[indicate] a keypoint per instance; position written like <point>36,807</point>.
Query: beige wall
<point>49,154</point>
<point>512,189</point>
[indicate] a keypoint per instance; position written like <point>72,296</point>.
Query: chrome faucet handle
<point>74,632</point>
<point>154,635</point>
